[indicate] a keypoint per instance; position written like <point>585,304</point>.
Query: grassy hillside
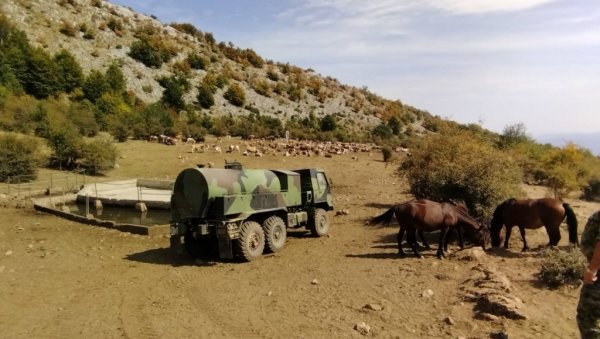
<point>97,33</point>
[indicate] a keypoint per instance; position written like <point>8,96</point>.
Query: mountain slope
<point>97,33</point>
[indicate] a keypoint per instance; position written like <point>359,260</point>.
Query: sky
<point>490,62</point>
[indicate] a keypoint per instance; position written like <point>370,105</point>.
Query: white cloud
<point>485,6</point>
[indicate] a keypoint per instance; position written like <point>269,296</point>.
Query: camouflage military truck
<point>244,212</point>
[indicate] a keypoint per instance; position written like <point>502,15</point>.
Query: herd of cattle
<point>284,147</point>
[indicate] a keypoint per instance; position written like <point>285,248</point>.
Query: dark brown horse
<point>428,216</point>
<point>532,214</point>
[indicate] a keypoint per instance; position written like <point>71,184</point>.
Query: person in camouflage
<point>588,309</point>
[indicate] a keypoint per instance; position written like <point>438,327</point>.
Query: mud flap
<point>176,245</point>
<point>225,245</point>
<point>225,248</point>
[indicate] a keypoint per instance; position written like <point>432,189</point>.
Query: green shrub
<point>235,95</point>
<point>568,169</point>
<point>460,166</point>
<point>328,123</point>
<point>561,267</point>
<point>95,85</point>
<point>65,143</point>
<point>197,61</point>
<point>69,71</point>
<point>387,154</point>
<point>18,156</point>
<point>175,87</point>
<point>205,96</point>
<point>145,53</point>
<point>98,155</point>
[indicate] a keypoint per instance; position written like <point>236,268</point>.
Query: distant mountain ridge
<point>591,141</point>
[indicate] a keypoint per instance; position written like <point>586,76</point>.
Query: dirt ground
<point>60,279</point>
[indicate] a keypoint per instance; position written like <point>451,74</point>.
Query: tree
<point>69,70</point>
<point>175,88</point>
<point>394,125</point>
<point>115,79</point>
<point>65,143</point>
<point>41,78</point>
<point>328,123</point>
<point>95,85</point>
<point>461,166</point>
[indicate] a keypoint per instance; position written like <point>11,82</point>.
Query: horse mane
<point>468,217</point>
<point>498,211</point>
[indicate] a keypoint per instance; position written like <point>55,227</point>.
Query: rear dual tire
<point>251,242</point>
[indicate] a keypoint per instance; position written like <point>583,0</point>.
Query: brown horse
<point>428,216</point>
<point>532,214</point>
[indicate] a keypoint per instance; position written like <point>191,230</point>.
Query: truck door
<point>321,188</point>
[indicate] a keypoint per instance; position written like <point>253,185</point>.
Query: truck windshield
<point>321,180</point>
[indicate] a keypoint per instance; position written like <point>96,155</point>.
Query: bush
<point>561,267</point>
<point>98,155</point>
<point>65,143</point>
<point>18,156</point>
<point>387,154</point>
<point>461,166</point>
<point>592,191</point>
<point>197,61</point>
<point>205,97</point>
<point>567,169</point>
<point>145,53</point>
<point>235,95</point>
<point>328,123</point>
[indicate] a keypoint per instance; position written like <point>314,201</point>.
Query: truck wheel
<point>319,225</point>
<point>275,233</point>
<point>251,242</point>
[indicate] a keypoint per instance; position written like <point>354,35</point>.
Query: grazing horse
<point>427,216</point>
<point>532,214</point>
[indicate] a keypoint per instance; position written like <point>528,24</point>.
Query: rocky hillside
<point>97,33</point>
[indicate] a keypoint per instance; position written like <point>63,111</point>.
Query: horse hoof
<point>401,254</point>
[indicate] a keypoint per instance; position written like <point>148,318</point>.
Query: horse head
<point>483,236</point>
<point>496,225</point>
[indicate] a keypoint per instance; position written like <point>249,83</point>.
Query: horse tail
<point>385,218</point>
<point>571,223</point>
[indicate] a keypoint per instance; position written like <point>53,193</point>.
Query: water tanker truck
<point>243,212</point>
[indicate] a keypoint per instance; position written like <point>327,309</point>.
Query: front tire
<point>319,225</point>
<point>251,242</point>
<point>275,233</point>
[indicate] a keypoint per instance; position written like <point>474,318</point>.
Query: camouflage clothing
<point>588,309</point>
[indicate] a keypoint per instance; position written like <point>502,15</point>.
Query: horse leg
<point>440,251</point>
<point>461,240</point>
<point>525,246</point>
<point>447,240</point>
<point>400,236</point>
<point>423,240</point>
<point>553,235</point>
<point>508,230</point>
<point>411,237</point>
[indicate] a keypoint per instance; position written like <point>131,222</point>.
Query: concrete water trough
<point>131,197</point>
